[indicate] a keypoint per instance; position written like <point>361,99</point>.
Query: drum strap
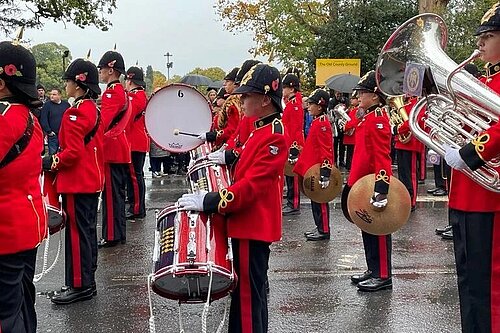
<point>21,144</point>
<point>120,115</point>
<point>90,135</point>
<point>139,115</point>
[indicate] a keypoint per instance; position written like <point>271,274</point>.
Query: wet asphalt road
<point>310,286</point>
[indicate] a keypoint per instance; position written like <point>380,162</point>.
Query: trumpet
<point>340,112</point>
<point>398,116</point>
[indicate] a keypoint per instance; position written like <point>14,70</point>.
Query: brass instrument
<point>312,189</point>
<point>372,220</point>
<point>397,116</point>
<point>463,107</point>
<point>340,111</point>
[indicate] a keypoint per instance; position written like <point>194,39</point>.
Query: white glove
<point>453,158</point>
<point>324,182</point>
<point>292,160</point>
<point>202,137</point>
<point>378,200</point>
<point>218,157</point>
<point>192,201</point>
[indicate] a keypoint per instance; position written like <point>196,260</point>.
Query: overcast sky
<point>147,29</point>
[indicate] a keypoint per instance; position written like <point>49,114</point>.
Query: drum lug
<point>191,248</point>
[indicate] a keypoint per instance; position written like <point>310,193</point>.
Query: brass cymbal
<point>374,221</point>
<point>313,190</point>
<point>289,169</point>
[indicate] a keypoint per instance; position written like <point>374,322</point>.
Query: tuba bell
<point>462,108</point>
<point>397,115</point>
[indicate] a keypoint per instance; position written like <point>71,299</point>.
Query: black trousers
<point>113,213</point>
<point>292,192</point>
<point>339,149</point>
<point>442,180</point>
<point>349,154</point>
<point>17,292</point>
<point>81,239</point>
<point>476,239</point>
<point>408,172</point>
<point>321,215</point>
<point>136,187</point>
<point>248,312</point>
<point>378,254</point>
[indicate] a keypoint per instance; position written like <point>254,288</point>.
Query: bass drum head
<point>177,108</point>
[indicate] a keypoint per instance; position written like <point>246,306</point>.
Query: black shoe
<point>357,278</point>
<point>440,231</point>
<point>448,235</point>
<point>93,286</point>
<point>312,232</point>
<point>432,190</point>
<point>289,211</point>
<point>105,243</point>
<point>375,284</point>
<point>64,288</point>
<point>73,295</point>
<point>317,236</point>
<point>133,218</point>
<point>413,208</point>
<point>440,192</point>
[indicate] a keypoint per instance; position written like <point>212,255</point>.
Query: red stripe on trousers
<point>382,254</point>
<point>135,187</point>
<point>245,289</point>
<point>423,164</point>
<point>495,275</point>
<point>296,192</point>
<point>324,218</point>
<point>414,181</point>
<point>109,203</point>
<point>75,242</point>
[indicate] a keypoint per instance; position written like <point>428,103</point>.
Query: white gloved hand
<point>324,181</point>
<point>192,201</point>
<point>292,160</point>
<point>202,137</point>
<point>378,200</point>
<point>218,157</point>
<point>453,158</point>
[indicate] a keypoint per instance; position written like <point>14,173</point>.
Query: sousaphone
<point>375,221</point>
<point>312,189</point>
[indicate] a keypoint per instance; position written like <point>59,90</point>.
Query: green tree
<point>148,78</point>
<point>214,73</point>
<point>175,79</point>
<point>159,80</point>
<point>360,30</point>
<point>49,64</point>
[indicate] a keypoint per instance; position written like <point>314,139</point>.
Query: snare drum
<point>55,214</point>
<point>207,176</point>
<point>192,255</point>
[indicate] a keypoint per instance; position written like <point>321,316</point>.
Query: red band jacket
<point>372,151</point>
<point>136,129</point>
<point>318,147</point>
<point>225,122</point>
<point>293,120</point>
<point>114,100</point>
<point>80,163</point>
<point>350,127</point>
<point>465,194</point>
<point>404,129</point>
<point>23,223</point>
<point>252,204</point>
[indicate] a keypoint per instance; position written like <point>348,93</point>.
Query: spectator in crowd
<point>50,118</point>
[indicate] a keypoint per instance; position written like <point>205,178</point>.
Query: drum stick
<point>177,132</point>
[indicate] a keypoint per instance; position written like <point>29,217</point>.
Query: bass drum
<point>174,110</point>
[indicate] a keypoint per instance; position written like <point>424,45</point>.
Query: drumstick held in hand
<point>177,132</point>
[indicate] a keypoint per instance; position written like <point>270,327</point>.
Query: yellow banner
<point>325,68</point>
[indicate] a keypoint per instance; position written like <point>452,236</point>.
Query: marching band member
<point>80,157</point>
<point>227,119</point>
<point>318,148</point>
<point>372,155</point>
<point>116,150</point>
<point>139,143</point>
<point>293,120</point>
<point>408,155</point>
<point>252,204</point>
<point>349,129</point>
<point>474,211</point>
<point>23,224</point>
